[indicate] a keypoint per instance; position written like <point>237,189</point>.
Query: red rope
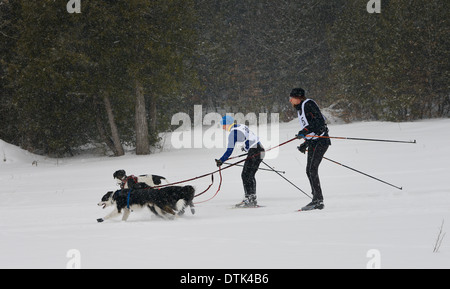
<point>212,182</point>
<point>220,173</point>
<point>218,189</point>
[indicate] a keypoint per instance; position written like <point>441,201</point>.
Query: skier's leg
<point>315,155</point>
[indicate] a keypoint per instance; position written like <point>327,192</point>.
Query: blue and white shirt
<point>240,133</point>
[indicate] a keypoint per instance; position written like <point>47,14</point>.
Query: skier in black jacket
<point>312,124</point>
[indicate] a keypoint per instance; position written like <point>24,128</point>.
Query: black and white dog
<point>152,180</point>
<point>165,202</point>
<point>149,180</point>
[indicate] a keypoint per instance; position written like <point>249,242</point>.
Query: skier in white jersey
<point>312,123</point>
<point>240,133</point>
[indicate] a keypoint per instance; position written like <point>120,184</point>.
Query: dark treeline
<point>114,74</point>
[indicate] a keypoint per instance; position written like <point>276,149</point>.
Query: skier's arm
<point>232,139</point>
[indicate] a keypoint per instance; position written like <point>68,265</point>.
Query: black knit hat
<point>297,92</point>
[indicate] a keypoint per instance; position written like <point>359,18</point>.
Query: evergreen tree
<point>90,77</point>
<point>8,37</point>
<point>392,65</point>
<point>44,73</point>
<point>115,74</point>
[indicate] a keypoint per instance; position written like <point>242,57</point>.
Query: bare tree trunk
<point>104,137</point>
<point>99,105</point>
<point>153,118</point>
<point>142,139</point>
<point>118,149</point>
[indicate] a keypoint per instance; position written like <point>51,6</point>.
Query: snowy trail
<point>49,209</point>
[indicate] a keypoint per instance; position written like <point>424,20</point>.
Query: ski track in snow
<point>48,209</point>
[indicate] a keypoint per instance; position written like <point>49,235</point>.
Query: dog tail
<point>157,180</point>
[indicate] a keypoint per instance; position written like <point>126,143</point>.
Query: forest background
<point>114,74</point>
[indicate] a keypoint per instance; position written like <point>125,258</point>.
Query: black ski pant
<point>316,151</point>
<point>251,166</point>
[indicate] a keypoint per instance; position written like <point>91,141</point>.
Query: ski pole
<point>363,139</point>
<point>281,144</point>
<point>235,157</point>
<point>287,180</point>
<point>400,188</point>
<point>262,169</point>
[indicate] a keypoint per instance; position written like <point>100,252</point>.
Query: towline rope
<point>220,172</point>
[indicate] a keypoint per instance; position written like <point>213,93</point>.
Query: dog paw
<point>100,220</point>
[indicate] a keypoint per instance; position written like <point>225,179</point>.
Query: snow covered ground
<point>49,209</point>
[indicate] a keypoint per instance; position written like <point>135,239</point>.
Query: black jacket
<point>316,121</point>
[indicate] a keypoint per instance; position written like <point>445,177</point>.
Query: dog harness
<point>128,199</point>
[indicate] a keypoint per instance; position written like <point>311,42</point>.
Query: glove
<point>302,148</point>
<point>302,134</point>
<point>219,163</point>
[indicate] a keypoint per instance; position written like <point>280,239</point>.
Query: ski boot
<point>314,205</point>
<point>248,202</point>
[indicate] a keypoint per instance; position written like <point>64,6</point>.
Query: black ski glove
<point>219,163</point>
<point>302,134</point>
<point>303,147</point>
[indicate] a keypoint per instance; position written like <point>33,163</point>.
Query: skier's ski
<point>253,207</point>
<point>314,205</point>
<point>308,209</point>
